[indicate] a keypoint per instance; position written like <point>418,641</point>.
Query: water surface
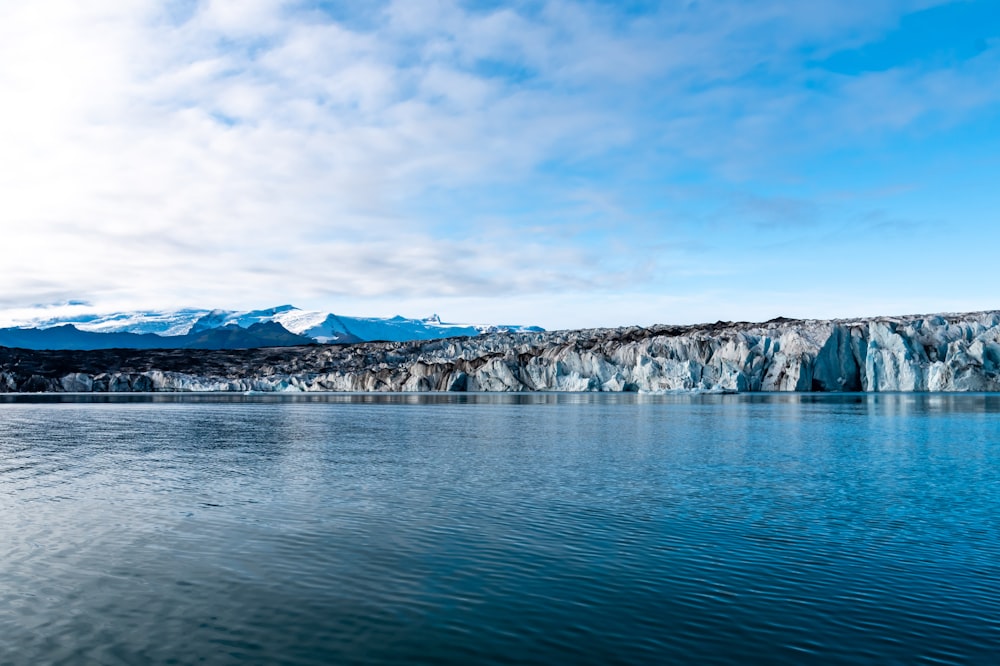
<point>586,528</point>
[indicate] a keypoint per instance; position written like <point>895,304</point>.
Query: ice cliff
<point>949,352</point>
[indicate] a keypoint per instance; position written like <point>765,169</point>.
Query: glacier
<point>941,352</point>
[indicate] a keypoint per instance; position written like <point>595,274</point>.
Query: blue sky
<point>556,163</point>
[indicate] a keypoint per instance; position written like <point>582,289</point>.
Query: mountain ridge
<point>171,327</point>
<point>69,337</point>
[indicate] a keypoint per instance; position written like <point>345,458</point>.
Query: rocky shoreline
<point>944,352</point>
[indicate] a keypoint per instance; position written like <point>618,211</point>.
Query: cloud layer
<point>515,155</point>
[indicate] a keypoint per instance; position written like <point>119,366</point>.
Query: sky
<point>557,163</point>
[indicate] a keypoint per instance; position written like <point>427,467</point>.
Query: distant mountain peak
<point>165,328</point>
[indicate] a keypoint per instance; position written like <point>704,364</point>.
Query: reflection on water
<point>514,528</point>
<point>987,402</point>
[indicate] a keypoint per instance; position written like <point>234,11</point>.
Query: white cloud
<point>239,153</point>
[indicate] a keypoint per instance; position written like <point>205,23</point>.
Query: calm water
<point>501,529</point>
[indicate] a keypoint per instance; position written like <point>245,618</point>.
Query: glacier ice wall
<point>915,353</point>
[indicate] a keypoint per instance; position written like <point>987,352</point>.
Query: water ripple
<point>580,529</point>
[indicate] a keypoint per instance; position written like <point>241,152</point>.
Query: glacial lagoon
<point>514,528</point>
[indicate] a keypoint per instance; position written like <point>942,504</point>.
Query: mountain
<point>946,352</point>
<point>69,337</point>
<point>231,336</point>
<point>84,331</point>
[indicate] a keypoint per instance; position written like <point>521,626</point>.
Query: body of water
<point>527,529</point>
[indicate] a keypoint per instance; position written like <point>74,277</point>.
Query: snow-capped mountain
<point>186,324</point>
